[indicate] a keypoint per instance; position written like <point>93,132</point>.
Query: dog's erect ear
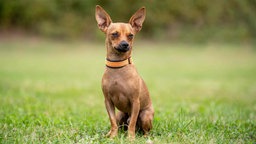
<point>102,18</point>
<point>137,19</point>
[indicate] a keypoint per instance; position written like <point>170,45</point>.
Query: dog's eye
<point>130,36</point>
<point>115,34</point>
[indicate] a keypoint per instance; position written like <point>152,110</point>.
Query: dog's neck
<point>118,64</point>
<point>115,59</point>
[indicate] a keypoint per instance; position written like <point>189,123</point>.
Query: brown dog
<point>122,86</point>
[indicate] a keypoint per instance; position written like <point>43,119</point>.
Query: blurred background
<point>198,58</point>
<point>170,20</point>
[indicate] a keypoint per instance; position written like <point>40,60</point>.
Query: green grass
<point>50,92</point>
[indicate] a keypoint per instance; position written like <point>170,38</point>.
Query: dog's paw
<point>131,136</point>
<point>111,134</point>
<point>145,134</point>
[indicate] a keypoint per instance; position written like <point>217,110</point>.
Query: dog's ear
<point>137,19</point>
<point>102,18</point>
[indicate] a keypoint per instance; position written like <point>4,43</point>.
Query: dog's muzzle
<point>123,47</point>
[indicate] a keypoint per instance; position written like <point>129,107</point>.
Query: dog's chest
<point>120,87</point>
<point>120,82</point>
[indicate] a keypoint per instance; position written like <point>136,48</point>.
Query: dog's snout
<point>123,46</point>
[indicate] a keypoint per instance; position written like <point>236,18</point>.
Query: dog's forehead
<point>120,27</point>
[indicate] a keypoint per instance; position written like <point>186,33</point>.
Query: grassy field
<point>50,92</point>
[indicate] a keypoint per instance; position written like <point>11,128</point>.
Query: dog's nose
<point>124,44</point>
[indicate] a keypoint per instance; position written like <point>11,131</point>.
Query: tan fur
<point>123,88</point>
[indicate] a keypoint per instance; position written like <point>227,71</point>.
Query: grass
<point>50,92</point>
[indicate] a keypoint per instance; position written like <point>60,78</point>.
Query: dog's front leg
<point>111,113</point>
<point>133,120</point>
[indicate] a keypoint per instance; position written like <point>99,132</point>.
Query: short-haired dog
<point>122,86</point>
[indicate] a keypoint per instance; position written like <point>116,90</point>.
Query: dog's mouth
<point>122,49</point>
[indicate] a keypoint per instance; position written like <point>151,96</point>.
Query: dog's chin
<point>122,50</point>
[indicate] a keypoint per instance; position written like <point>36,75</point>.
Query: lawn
<point>50,92</point>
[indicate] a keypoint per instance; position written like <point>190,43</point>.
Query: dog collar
<point>118,63</point>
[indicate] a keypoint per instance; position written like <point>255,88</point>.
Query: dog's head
<point>119,36</point>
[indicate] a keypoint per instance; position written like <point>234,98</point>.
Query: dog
<point>122,86</point>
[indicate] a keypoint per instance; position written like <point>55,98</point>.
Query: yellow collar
<point>119,63</point>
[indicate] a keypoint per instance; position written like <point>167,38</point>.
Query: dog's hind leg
<point>145,120</point>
